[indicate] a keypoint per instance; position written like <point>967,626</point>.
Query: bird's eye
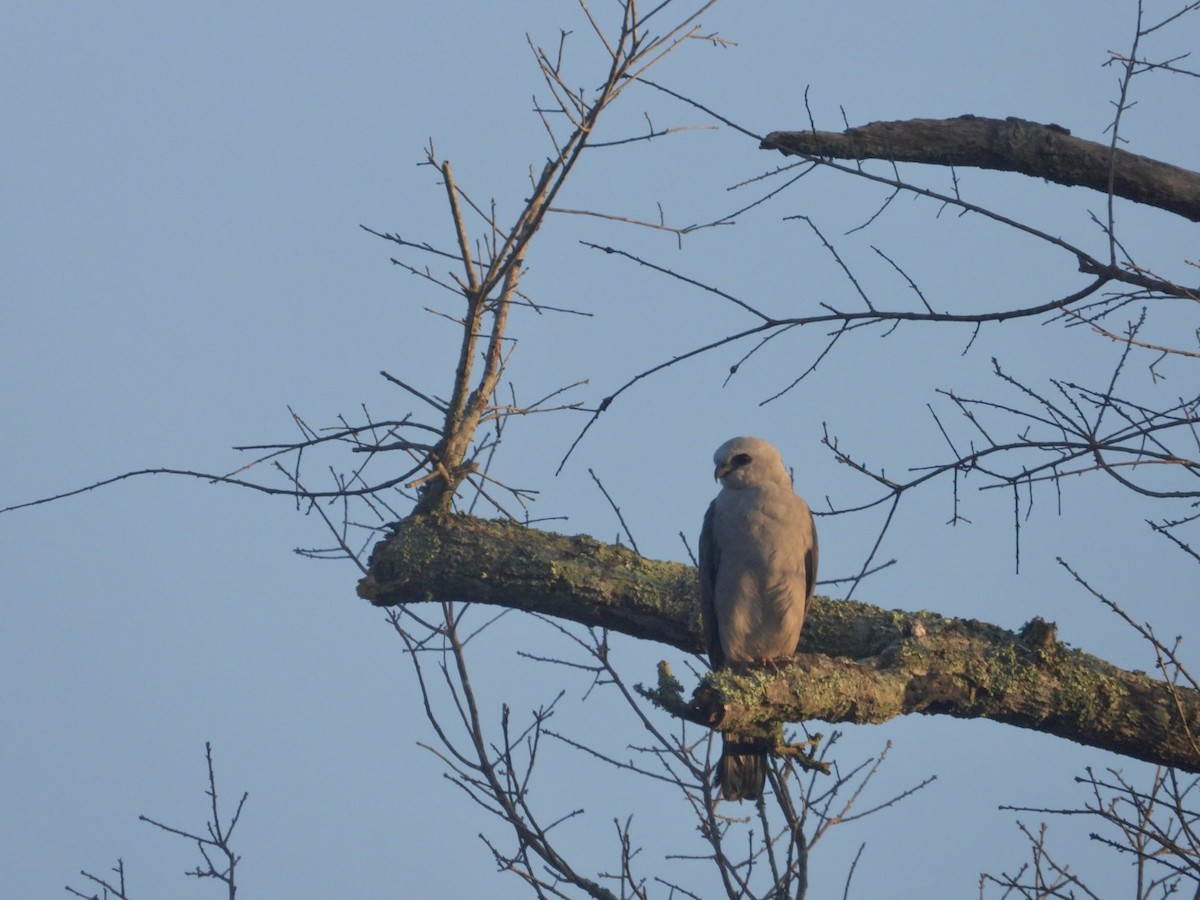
<point>742,459</point>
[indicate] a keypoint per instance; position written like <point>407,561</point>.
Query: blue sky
<point>182,190</point>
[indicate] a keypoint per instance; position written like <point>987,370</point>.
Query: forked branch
<point>490,284</point>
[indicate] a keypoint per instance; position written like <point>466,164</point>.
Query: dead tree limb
<point>857,663</point>
<point>1010,145</point>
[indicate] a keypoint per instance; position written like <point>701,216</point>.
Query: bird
<point>758,566</point>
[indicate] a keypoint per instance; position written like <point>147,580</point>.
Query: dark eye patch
<point>742,459</point>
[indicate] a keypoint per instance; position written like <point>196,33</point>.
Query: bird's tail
<point>742,769</point>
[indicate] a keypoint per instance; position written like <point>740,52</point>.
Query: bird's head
<point>745,461</point>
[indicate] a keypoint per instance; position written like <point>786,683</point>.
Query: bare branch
<point>1011,145</point>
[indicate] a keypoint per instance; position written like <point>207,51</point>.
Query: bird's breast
<point>760,590</point>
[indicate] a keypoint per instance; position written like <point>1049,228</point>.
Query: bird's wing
<point>710,561</point>
<point>810,560</point>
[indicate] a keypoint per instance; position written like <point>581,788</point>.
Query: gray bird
<point>758,565</point>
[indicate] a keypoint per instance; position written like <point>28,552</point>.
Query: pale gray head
<point>746,461</point>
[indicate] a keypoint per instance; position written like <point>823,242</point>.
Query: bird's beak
<point>721,472</point>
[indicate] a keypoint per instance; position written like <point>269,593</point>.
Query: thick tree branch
<point>857,663</point>
<point>1010,145</point>
<point>458,557</point>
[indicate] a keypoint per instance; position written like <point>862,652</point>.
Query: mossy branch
<point>857,663</point>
